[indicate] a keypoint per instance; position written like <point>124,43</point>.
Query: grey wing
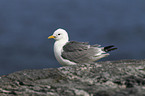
<point>79,52</point>
<point>74,46</point>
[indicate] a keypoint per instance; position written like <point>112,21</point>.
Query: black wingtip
<point>109,48</point>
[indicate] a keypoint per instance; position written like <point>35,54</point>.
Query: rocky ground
<point>110,78</point>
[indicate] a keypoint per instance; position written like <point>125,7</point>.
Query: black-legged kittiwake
<point>72,52</point>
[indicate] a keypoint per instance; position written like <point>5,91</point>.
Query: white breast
<point>58,48</point>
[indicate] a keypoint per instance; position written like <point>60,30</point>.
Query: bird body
<point>72,52</point>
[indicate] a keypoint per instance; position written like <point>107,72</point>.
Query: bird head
<point>59,34</point>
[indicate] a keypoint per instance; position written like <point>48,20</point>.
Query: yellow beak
<point>51,37</point>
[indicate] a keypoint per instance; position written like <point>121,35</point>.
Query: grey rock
<point>110,78</point>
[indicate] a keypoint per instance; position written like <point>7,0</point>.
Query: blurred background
<point>26,24</point>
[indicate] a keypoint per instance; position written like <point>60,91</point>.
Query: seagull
<point>73,52</point>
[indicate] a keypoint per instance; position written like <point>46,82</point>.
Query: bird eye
<point>58,34</point>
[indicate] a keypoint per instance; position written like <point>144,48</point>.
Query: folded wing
<point>80,52</point>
